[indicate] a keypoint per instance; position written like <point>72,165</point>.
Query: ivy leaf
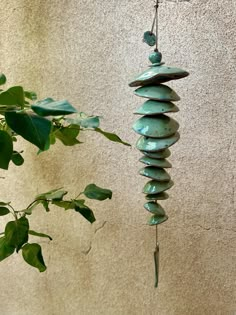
<point>31,232</point>
<point>111,136</point>
<point>5,249</point>
<point>68,135</point>
<point>32,254</point>
<point>17,158</point>
<point>16,233</point>
<point>3,79</point>
<point>30,95</point>
<point>55,194</point>
<point>49,107</point>
<point>4,211</point>
<point>6,149</point>
<point>85,211</point>
<point>13,96</point>
<point>33,128</point>
<point>94,192</point>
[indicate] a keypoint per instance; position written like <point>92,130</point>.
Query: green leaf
<point>4,211</point>
<point>3,79</point>
<point>55,194</point>
<point>111,136</point>
<point>4,203</point>
<point>64,204</point>
<point>30,95</point>
<point>33,128</point>
<point>85,121</point>
<point>31,208</point>
<point>49,107</point>
<point>32,254</point>
<point>6,149</point>
<point>13,96</point>
<point>31,232</point>
<point>94,192</point>
<point>5,249</point>
<point>86,212</point>
<point>68,135</point>
<point>17,158</point>
<point>16,233</point>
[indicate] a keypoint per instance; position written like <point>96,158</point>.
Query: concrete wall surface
<point>87,51</point>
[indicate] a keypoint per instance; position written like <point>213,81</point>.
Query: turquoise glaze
<point>156,173</point>
<point>155,187</point>
<point>160,126</point>
<point>155,208</point>
<point>155,57</point>
<point>155,220</point>
<point>151,107</point>
<point>160,196</point>
<point>155,162</point>
<point>157,92</point>
<point>158,155</point>
<point>154,145</point>
<point>158,74</point>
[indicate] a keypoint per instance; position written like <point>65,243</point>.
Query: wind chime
<point>158,131</point>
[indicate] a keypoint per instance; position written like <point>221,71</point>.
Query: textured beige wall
<point>87,51</point>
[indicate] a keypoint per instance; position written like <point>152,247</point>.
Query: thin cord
<point>157,35</point>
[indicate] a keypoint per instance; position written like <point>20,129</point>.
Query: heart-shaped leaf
<point>16,233</point>
<point>31,127</point>
<point>6,149</point>
<point>4,211</point>
<point>32,254</point>
<point>49,107</point>
<point>5,249</point>
<point>68,135</point>
<point>94,192</point>
<point>86,212</point>
<point>13,96</point>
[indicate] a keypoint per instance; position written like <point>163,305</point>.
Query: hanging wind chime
<point>158,131</point>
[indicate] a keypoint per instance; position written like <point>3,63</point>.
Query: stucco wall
<point>87,51</point>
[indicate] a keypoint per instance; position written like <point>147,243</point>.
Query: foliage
<point>42,123</point>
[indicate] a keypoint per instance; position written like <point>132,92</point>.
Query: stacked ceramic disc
<point>158,131</point>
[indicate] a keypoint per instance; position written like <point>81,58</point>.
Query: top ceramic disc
<point>160,126</point>
<point>151,107</point>
<point>157,92</point>
<point>158,74</point>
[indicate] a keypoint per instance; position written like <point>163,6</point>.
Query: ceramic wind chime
<point>158,131</point>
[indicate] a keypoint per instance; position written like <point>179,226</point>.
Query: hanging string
<point>155,23</point>
<point>156,259</point>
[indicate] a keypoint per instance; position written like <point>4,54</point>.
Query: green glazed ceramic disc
<point>160,196</point>
<point>155,187</point>
<point>157,92</point>
<point>155,162</point>
<point>156,173</point>
<point>155,220</point>
<point>158,155</point>
<point>158,74</point>
<point>155,208</point>
<point>154,145</point>
<point>160,126</point>
<point>151,107</point>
